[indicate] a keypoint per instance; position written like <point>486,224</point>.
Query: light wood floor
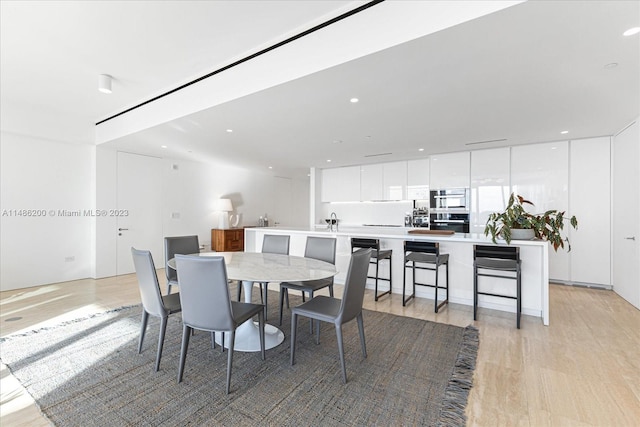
<point>582,370</point>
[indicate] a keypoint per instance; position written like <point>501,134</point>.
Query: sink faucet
<point>331,218</point>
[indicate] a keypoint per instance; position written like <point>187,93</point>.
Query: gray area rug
<point>88,373</point>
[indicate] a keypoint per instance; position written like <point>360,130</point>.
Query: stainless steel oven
<point>421,221</point>
<point>458,222</point>
<point>450,200</point>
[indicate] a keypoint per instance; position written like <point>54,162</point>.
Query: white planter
<point>522,234</point>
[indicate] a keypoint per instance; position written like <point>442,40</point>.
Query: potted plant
<point>546,226</point>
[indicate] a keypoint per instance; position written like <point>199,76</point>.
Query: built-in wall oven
<point>449,209</point>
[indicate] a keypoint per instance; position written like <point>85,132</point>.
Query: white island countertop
<point>533,253</point>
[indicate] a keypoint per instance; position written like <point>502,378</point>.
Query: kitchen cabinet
<point>540,173</point>
<point>394,179</point>
<point>589,200</point>
<point>451,170</point>
<point>418,179</point>
<point>341,184</point>
<point>490,185</point>
<point>227,240</point>
<point>371,182</point>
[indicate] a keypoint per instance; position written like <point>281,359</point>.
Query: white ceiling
<point>519,75</point>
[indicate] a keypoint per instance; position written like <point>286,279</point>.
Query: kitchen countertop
<point>393,233</point>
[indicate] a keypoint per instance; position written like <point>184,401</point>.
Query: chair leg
<point>310,320</point>
<point>341,351</point>
<point>331,290</point>
<point>261,327</point>
<point>213,340</point>
<point>143,329</point>
<point>361,331</point>
<point>186,333</point>
<point>519,295</point>
<point>230,357</point>
<point>376,287</point>
<point>168,289</point>
<point>294,326</point>
<point>283,291</point>
<point>475,292</point>
<point>163,330</point>
<point>435,309</point>
<point>317,332</point>
<point>239,289</point>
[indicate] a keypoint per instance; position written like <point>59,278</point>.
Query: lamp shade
<point>224,205</point>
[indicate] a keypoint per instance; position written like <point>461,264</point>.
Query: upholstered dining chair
<point>206,305</point>
<point>183,245</point>
<point>338,311</point>
<point>153,303</point>
<point>323,249</point>
<point>271,244</point>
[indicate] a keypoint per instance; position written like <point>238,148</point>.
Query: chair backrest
<point>359,243</point>
<point>148,283</point>
<point>275,244</point>
<point>183,245</point>
<point>498,252</point>
<point>424,247</point>
<point>321,248</point>
<point>204,293</point>
<point>353,296</point>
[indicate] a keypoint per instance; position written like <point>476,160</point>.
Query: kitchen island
<point>459,246</point>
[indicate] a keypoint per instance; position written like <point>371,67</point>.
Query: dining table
<point>251,267</point>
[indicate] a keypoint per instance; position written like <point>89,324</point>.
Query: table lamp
<point>223,206</point>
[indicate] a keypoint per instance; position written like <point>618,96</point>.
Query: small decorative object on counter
<point>261,222</point>
<point>266,221</point>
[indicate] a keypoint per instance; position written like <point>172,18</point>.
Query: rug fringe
<point>66,322</point>
<point>461,381</point>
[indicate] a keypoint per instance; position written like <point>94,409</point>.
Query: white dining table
<point>251,267</point>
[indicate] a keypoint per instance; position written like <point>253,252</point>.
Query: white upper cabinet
<point>451,170</point>
<point>589,201</point>
<point>371,182</point>
<point>341,184</point>
<point>490,186</point>
<point>394,178</point>
<point>418,179</point>
<point>540,173</point>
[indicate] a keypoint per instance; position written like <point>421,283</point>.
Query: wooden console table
<point>227,240</point>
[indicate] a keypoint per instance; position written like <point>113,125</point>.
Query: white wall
<point>190,190</point>
<point>45,175</point>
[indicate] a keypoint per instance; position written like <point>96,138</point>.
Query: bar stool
<point>376,256</point>
<point>497,258</point>
<point>424,253</point>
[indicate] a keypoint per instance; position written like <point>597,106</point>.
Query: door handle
<point>630,238</point>
<point>122,229</point>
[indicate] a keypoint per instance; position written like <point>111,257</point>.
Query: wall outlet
<point>69,259</point>
<point>175,215</point>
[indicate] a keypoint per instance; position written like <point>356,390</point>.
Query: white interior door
<point>626,211</point>
<point>139,195</point>
<point>283,205</point>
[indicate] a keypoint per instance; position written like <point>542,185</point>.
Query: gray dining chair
<point>206,305</point>
<point>320,248</point>
<point>184,245</point>
<point>338,311</point>
<point>153,303</point>
<point>271,244</point>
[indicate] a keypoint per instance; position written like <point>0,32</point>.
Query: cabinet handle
<point>630,238</point>
<point>122,229</point>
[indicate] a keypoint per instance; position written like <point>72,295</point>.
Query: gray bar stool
<point>377,255</point>
<point>497,258</point>
<point>428,257</point>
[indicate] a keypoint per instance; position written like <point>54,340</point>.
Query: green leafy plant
<point>547,226</point>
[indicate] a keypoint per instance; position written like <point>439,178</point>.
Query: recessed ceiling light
<point>229,130</point>
<point>270,167</point>
<point>564,132</point>
<point>354,100</point>
<point>631,31</point>
<point>337,141</point>
<point>420,149</point>
<point>611,65</point>
<point>163,146</point>
<point>328,161</point>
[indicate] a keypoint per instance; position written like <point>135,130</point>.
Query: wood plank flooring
<point>582,370</point>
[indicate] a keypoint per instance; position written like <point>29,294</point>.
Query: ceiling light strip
<point>486,142</point>
<point>263,51</point>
